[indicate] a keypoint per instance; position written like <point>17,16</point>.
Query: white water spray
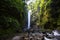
<point>56,33</point>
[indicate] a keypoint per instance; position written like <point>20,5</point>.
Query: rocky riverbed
<point>34,36</point>
<point>31,36</point>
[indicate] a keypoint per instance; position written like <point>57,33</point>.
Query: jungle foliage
<point>12,15</point>
<point>46,14</point>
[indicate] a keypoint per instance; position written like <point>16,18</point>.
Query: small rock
<point>16,38</point>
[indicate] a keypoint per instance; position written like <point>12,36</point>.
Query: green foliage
<point>51,15</point>
<point>40,11</point>
<point>8,26</point>
<point>46,13</point>
<point>12,17</point>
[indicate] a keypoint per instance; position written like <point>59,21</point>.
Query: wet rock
<point>16,38</point>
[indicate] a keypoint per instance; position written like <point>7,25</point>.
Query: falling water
<point>29,12</point>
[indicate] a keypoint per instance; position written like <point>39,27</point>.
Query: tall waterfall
<point>29,12</point>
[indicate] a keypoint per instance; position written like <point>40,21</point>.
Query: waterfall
<point>29,12</point>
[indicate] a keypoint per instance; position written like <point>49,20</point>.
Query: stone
<point>16,38</point>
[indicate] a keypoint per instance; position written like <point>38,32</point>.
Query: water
<point>45,38</point>
<point>29,12</point>
<point>56,33</point>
